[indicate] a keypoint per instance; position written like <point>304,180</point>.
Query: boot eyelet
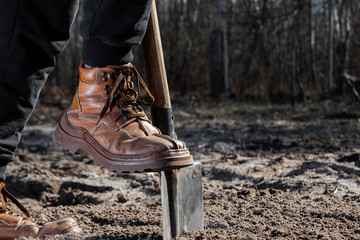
<point>108,88</point>
<point>131,85</point>
<point>104,76</point>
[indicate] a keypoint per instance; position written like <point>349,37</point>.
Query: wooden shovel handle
<point>154,62</point>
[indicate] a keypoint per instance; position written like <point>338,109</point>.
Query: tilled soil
<point>268,172</point>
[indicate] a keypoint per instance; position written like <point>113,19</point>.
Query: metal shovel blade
<point>182,201</point>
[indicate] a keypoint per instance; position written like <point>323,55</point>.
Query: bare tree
<point>330,47</point>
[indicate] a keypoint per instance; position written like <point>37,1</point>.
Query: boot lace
<point>123,95</point>
<point>4,195</point>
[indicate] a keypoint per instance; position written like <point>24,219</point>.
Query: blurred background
<point>271,51</point>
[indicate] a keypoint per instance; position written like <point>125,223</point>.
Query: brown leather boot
<point>13,226</point>
<point>105,121</point>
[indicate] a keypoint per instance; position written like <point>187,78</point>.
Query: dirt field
<point>268,172</point>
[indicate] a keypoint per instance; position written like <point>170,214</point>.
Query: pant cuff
<point>96,53</point>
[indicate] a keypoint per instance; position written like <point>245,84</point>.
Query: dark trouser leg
<point>110,28</point>
<point>32,33</point>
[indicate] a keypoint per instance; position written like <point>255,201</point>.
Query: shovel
<point>181,189</point>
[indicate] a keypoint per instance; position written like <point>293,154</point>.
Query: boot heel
<point>63,139</point>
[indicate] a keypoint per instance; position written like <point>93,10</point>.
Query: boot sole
<point>81,142</point>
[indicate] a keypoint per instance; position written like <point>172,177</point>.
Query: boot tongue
<point>123,92</point>
<point>140,82</point>
<point>133,110</point>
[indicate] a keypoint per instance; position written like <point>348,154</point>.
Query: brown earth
<point>268,172</point>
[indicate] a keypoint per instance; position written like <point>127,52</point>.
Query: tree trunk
<point>219,63</point>
<point>330,49</point>
<point>311,34</point>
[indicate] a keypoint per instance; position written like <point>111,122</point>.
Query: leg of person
<point>32,33</point>
<point>104,118</point>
